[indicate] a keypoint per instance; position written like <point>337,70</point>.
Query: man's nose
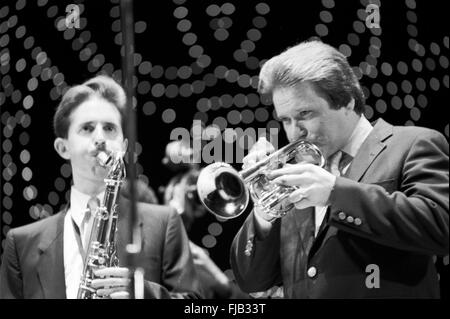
<point>298,132</point>
<point>99,137</point>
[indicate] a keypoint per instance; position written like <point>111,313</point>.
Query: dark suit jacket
<point>387,218</point>
<point>33,265</point>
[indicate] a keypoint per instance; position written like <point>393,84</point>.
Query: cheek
<point>79,147</point>
<point>314,128</point>
<point>115,145</point>
<point>74,146</point>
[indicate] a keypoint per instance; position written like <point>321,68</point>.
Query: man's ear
<point>61,148</point>
<point>351,105</point>
<point>125,145</point>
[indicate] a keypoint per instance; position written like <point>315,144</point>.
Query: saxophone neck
<point>114,162</point>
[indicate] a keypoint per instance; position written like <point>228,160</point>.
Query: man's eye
<point>87,128</point>
<point>110,128</point>
<point>305,113</point>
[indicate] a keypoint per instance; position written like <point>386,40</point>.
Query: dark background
<point>198,60</point>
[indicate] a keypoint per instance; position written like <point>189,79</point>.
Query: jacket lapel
<point>324,233</point>
<point>296,243</point>
<point>370,149</point>
<point>372,146</point>
<point>51,262</point>
<point>305,224</point>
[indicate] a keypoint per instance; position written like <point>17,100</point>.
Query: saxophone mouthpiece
<point>107,158</point>
<point>104,159</point>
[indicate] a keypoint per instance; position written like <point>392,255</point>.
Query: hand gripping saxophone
<point>101,249</point>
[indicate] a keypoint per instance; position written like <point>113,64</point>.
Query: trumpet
<point>225,192</point>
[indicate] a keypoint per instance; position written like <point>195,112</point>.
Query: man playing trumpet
<point>368,223</point>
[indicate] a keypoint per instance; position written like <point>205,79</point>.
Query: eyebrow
<point>102,122</point>
<point>301,111</point>
<point>296,114</point>
<point>110,123</point>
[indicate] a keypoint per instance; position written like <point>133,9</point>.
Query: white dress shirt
<point>359,135</point>
<point>73,260</point>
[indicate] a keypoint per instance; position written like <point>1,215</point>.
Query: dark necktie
<point>346,159</point>
<point>338,162</point>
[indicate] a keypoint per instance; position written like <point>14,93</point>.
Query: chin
<point>99,171</point>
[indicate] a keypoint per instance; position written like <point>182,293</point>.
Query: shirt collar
<point>78,204</point>
<point>359,135</point>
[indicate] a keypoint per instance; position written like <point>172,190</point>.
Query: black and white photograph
<point>230,153</point>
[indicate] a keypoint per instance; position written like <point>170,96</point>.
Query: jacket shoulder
<point>28,236</point>
<point>37,227</point>
<point>153,211</point>
<point>416,132</point>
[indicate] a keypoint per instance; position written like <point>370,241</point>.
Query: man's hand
<point>313,182</point>
<point>259,151</point>
<point>112,282</point>
<point>216,282</point>
<point>178,200</point>
<point>206,266</point>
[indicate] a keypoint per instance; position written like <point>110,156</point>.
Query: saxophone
<point>101,248</point>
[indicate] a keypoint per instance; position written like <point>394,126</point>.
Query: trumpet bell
<point>222,191</point>
<point>225,192</point>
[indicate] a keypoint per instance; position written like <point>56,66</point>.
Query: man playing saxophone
<point>45,259</point>
<point>366,225</point>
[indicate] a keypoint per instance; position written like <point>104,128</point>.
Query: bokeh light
<point>207,71</point>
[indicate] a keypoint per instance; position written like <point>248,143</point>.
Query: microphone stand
<point>133,248</point>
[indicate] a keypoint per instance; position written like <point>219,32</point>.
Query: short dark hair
<point>318,63</point>
<point>101,86</point>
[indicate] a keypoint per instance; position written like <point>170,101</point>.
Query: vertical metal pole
<point>134,242</point>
